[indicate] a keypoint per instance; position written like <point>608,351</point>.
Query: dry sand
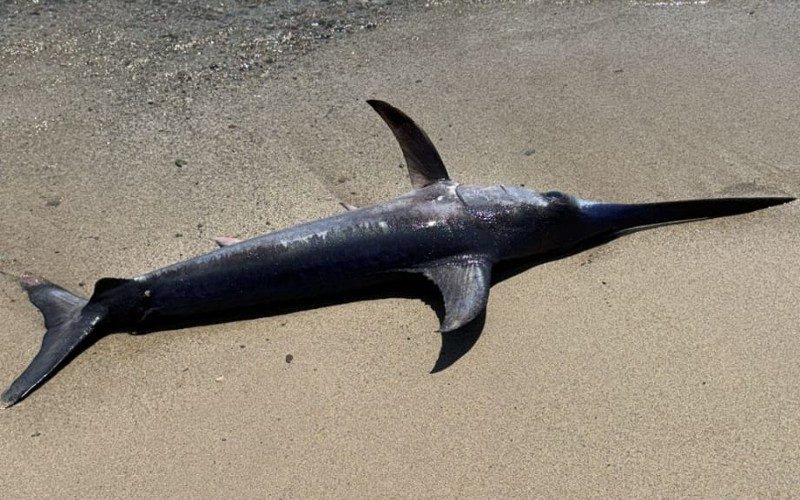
<point>664,363</point>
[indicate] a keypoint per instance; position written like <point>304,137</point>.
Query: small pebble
<point>289,358</point>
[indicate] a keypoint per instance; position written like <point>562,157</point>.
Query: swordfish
<point>451,233</point>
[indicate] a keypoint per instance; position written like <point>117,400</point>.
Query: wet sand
<point>664,363</point>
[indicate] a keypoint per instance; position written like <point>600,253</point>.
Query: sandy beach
<point>664,363</point>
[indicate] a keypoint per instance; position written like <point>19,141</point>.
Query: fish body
<point>451,233</point>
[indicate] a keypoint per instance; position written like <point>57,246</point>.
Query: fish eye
<point>556,195</point>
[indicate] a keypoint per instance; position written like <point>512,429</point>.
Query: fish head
<point>525,222</point>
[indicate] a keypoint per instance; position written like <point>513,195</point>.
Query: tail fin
<point>69,320</point>
<point>618,217</point>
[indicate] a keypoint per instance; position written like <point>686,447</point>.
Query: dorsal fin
<point>226,241</point>
<point>424,163</point>
<point>105,285</point>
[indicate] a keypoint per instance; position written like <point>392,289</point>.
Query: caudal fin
<point>69,320</point>
<point>618,217</point>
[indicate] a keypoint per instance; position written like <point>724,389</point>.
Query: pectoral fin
<point>423,161</point>
<point>464,284</point>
